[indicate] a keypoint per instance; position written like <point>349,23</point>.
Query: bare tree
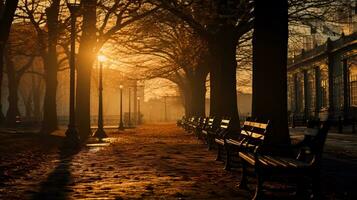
<point>20,54</point>
<point>112,17</point>
<point>49,20</point>
<point>7,12</point>
<point>178,55</point>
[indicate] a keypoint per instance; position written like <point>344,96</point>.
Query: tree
<point>46,20</point>
<point>270,43</point>
<point>7,13</point>
<point>86,57</point>
<point>178,55</point>
<point>114,15</point>
<point>221,24</point>
<point>23,50</point>
<point>51,67</point>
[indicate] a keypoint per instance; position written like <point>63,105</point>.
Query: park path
<point>150,162</point>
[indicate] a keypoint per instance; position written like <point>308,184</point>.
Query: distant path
<point>151,162</point>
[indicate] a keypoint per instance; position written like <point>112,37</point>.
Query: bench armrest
<point>303,152</point>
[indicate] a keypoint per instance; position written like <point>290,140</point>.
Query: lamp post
<point>139,115</point>
<point>165,108</point>
<point>72,137</point>
<point>121,126</point>
<point>129,114</point>
<point>100,133</point>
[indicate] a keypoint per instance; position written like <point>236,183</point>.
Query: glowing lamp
<point>73,6</point>
<point>73,2</point>
<point>102,58</point>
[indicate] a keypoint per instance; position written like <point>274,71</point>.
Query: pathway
<point>152,162</point>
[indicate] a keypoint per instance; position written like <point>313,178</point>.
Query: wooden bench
<point>305,166</point>
<point>194,124</point>
<point>181,121</point>
<point>200,126</point>
<point>188,123</point>
<point>252,135</point>
<point>220,135</point>
<point>208,130</point>
<point>220,132</point>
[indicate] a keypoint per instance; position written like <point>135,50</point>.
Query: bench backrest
<point>254,133</point>
<point>224,124</point>
<point>210,123</point>
<point>316,144</point>
<point>224,127</point>
<point>203,122</point>
<point>192,119</point>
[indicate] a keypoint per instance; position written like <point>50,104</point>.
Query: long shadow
<point>57,182</point>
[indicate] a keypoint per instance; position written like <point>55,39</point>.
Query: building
<point>324,80</point>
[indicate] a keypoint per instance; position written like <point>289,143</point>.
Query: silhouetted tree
<point>221,24</point>
<point>20,54</point>
<point>7,12</point>
<point>38,13</point>
<point>86,58</point>
<point>270,43</point>
<point>179,55</point>
<point>114,15</point>
<point>51,68</point>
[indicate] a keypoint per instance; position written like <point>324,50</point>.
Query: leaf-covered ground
<point>150,162</point>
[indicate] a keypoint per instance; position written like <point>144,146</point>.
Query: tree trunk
<point>86,58</point>
<point>186,96</point>
<point>270,40</point>
<point>198,94</point>
<point>50,123</point>
<point>6,18</point>
<point>222,47</point>
<point>28,106</point>
<point>36,97</point>
<point>13,85</point>
<point>2,117</point>
<point>13,99</point>
<point>2,6</point>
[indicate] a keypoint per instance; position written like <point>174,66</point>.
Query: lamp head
<point>73,5</point>
<point>121,86</point>
<point>102,58</point>
<point>73,2</point>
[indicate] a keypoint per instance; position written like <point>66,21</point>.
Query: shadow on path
<point>339,178</point>
<point>58,183</point>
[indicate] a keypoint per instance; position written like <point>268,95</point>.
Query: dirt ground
<point>150,162</point>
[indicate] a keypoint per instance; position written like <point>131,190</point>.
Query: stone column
<point>296,104</point>
<point>346,98</point>
<point>330,63</point>
<point>317,91</point>
<point>306,95</point>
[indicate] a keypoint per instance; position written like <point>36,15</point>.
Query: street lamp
<point>139,115</point>
<point>100,133</point>
<point>165,108</point>
<point>121,126</point>
<point>72,137</point>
